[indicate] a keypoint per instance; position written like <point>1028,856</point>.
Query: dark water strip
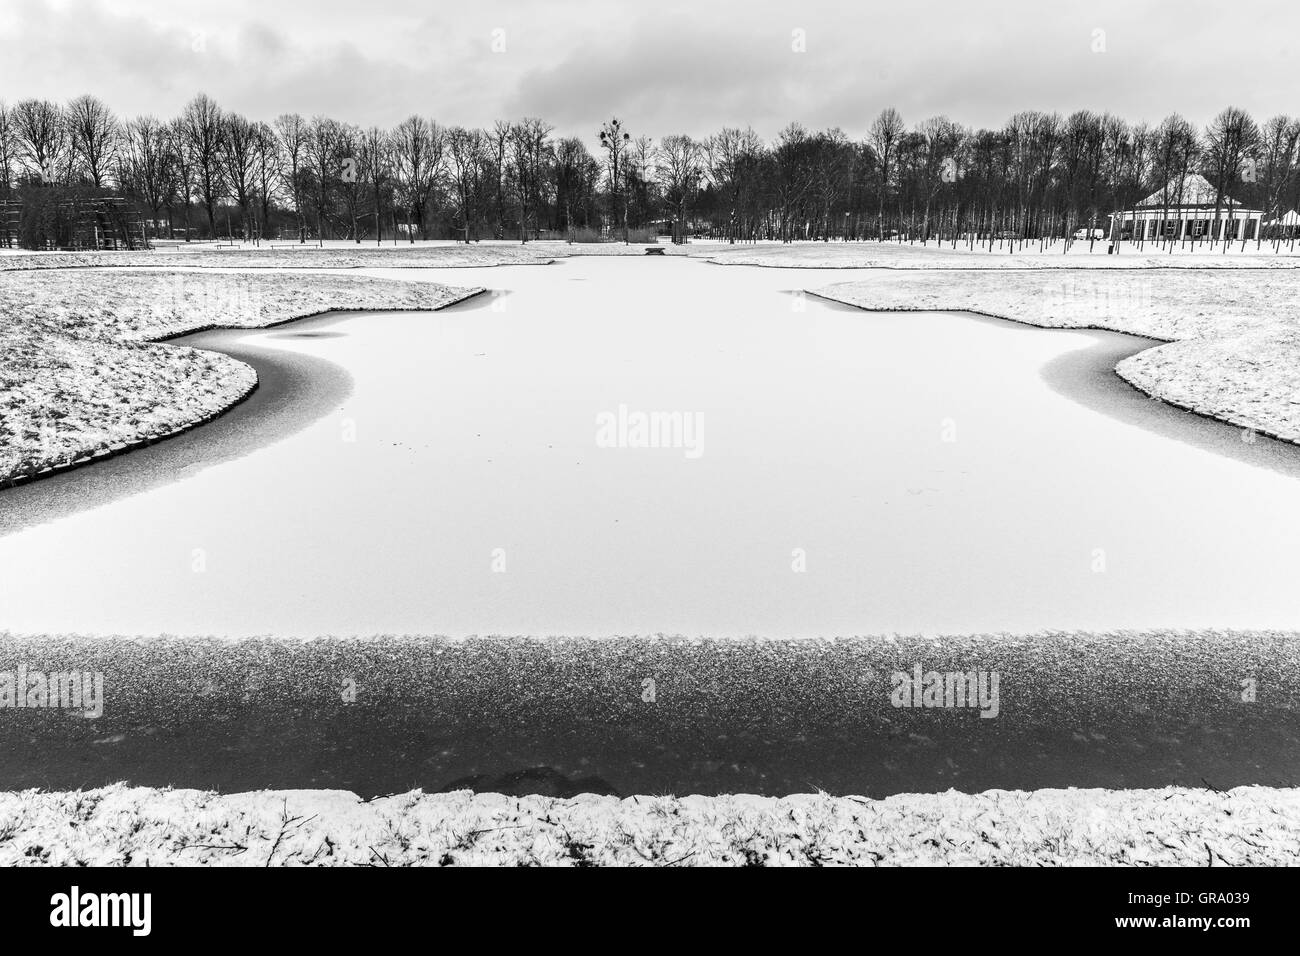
<point>563,716</point>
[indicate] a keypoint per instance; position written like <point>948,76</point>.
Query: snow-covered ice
<point>857,473</point>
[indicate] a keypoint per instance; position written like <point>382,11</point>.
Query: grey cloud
<point>673,66</point>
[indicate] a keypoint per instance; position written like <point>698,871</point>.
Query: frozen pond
<point>837,472</point>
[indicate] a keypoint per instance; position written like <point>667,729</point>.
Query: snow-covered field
<point>81,375</point>
<point>343,255</point>
<point>121,826</point>
<point>903,255</point>
<point>1235,332</point>
<point>424,256</point>
<point>794,255</point>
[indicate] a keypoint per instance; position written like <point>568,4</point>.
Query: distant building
<point>1283,227</point>
<point>1186,210</point>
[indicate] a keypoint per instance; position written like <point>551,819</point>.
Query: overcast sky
<point>662,66</point>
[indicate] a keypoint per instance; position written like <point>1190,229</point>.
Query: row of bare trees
<point>210,172</point>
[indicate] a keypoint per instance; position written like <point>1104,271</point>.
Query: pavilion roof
<point>1193,190</point>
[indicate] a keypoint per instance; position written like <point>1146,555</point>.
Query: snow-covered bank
<point>80,374</point>
<point>1236,355</point>
<point>1251,380</point>
<point>121,826</point>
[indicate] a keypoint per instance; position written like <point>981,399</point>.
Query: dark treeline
<point>211,173</point>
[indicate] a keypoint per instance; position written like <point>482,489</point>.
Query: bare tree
<point>291,135</point>
<point>95,138</point>
<point>1137,170</point>
<point>832,171</point>
<point>322,160</point>
<point>178,141</point>
<point>1279,140</point>
<point>615,141</point>
<point>352,177</point>
<point>1176,148</point>
<point>885,133</point>
<point>641,180</point>
<point>941,138</point>
<point>1116,146</point>
<point>1231,138</point>
<point>418,156</point>
<point>41,129</point>
<point>8,151</point>
<point>239,159</point>
<point>679,169</point>
<point>203,127</point>
<point>530,144</point>
<point>792,165</point>
<point>733,159</point>
<point>147,167</point>
<point>575,174</point>
<point>267,173</point>
<point>498,141</point>
<point>377,170</point>
<point>468,150</point>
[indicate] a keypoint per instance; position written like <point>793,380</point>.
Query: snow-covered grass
<point>118,825</point>
<point>336,255</point>
<point>896,255</point>
<point>561,250</point>
<point>64,399</point>
<point>1235,332</point>
<point>291,257</point>
<point>1172,305</point>
<point>81,374</point>
<point>1251,380</point>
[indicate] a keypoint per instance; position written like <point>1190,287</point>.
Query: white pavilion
<point>1283,227</point>
<point>1186,210</point>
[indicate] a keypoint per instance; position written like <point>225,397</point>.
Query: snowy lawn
<point>342,256</point>
<point>80,374</point>
<point>894,255</point>
<point>118,825</point>
<point>794,255</point>
<point>1235,333</point>
<point>292,257</point>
